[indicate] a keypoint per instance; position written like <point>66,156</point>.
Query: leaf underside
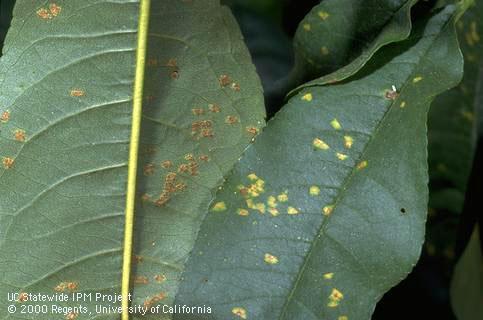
<point>66,83</point>
<point>203,106</point>
<point>66,91</point>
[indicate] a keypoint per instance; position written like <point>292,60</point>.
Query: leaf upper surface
<point>326,210</point>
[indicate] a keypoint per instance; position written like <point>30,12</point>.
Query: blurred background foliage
<point>269,27</point>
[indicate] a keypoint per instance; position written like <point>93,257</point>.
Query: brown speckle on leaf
<point>166,164</point>
<point>150,301</point>
<point>71,316</point>
<point>174,74</point>
<point>5,116</point>
<point>23,296</point>
<point>152,62</point>
<point>160,278</point>
<point>141,280</point>
<point>224,80</point>
<point>171,63</point>
<point>214,108</point>
<point>198,111</point>
<point>55,9</point>
<point>138,259</point>
<point>252,130</point>
<point>148,169</point>
<point>231,119</point>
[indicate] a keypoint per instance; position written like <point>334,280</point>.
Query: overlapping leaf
<point>452,138</point>
<point>467,283</point>
<point>326,210</point>
<point>452,120</point>
<point>338,37</point>
<point>204,105</point>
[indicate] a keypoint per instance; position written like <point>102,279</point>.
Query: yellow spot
<point>283,197</point>
<point>403,104</point>
<point>335,297</point>
<point>417,79</point>
<point>260,207</point>
<point>361,165</point>
<point>250,204</point>
<point>335,124</point>
<point>307,97</point>
<point>19,135</point>
<point>341,156</point>
<point>329,275</point>
<point>270,259</point>
<point>327,210</point>
<point>343,318</point>
<point>274,212</point>
<point>77,93</point>
<point>320,144</point>
<point>272,202</point>
<point>348,141</point>
<point>324,50</point>
<point>240,312</point>
<point>252,176</point>
<point>7,162</point>
<point>292,210</point>
<point>243,212</point>
<point>219,206</point>
<point>307,26</point>
<point>314,191</point>
<point>323,14</point>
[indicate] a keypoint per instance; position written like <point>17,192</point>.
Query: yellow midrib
<point>133,151</point>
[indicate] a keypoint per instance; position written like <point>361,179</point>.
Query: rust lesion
<point>52,11</point>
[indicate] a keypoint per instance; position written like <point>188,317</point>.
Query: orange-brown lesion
<point>49,13</point>
<point>154,299</point>
<point>141,280</point>
<point>5,116</point>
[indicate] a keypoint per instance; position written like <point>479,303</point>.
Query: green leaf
<point>452,119</point>
<point>467,282</point>
<point>452,134</point>
<point>326,210</point>
<point>338,37</point>
<point>65,103</point>
<point>204,106</point>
